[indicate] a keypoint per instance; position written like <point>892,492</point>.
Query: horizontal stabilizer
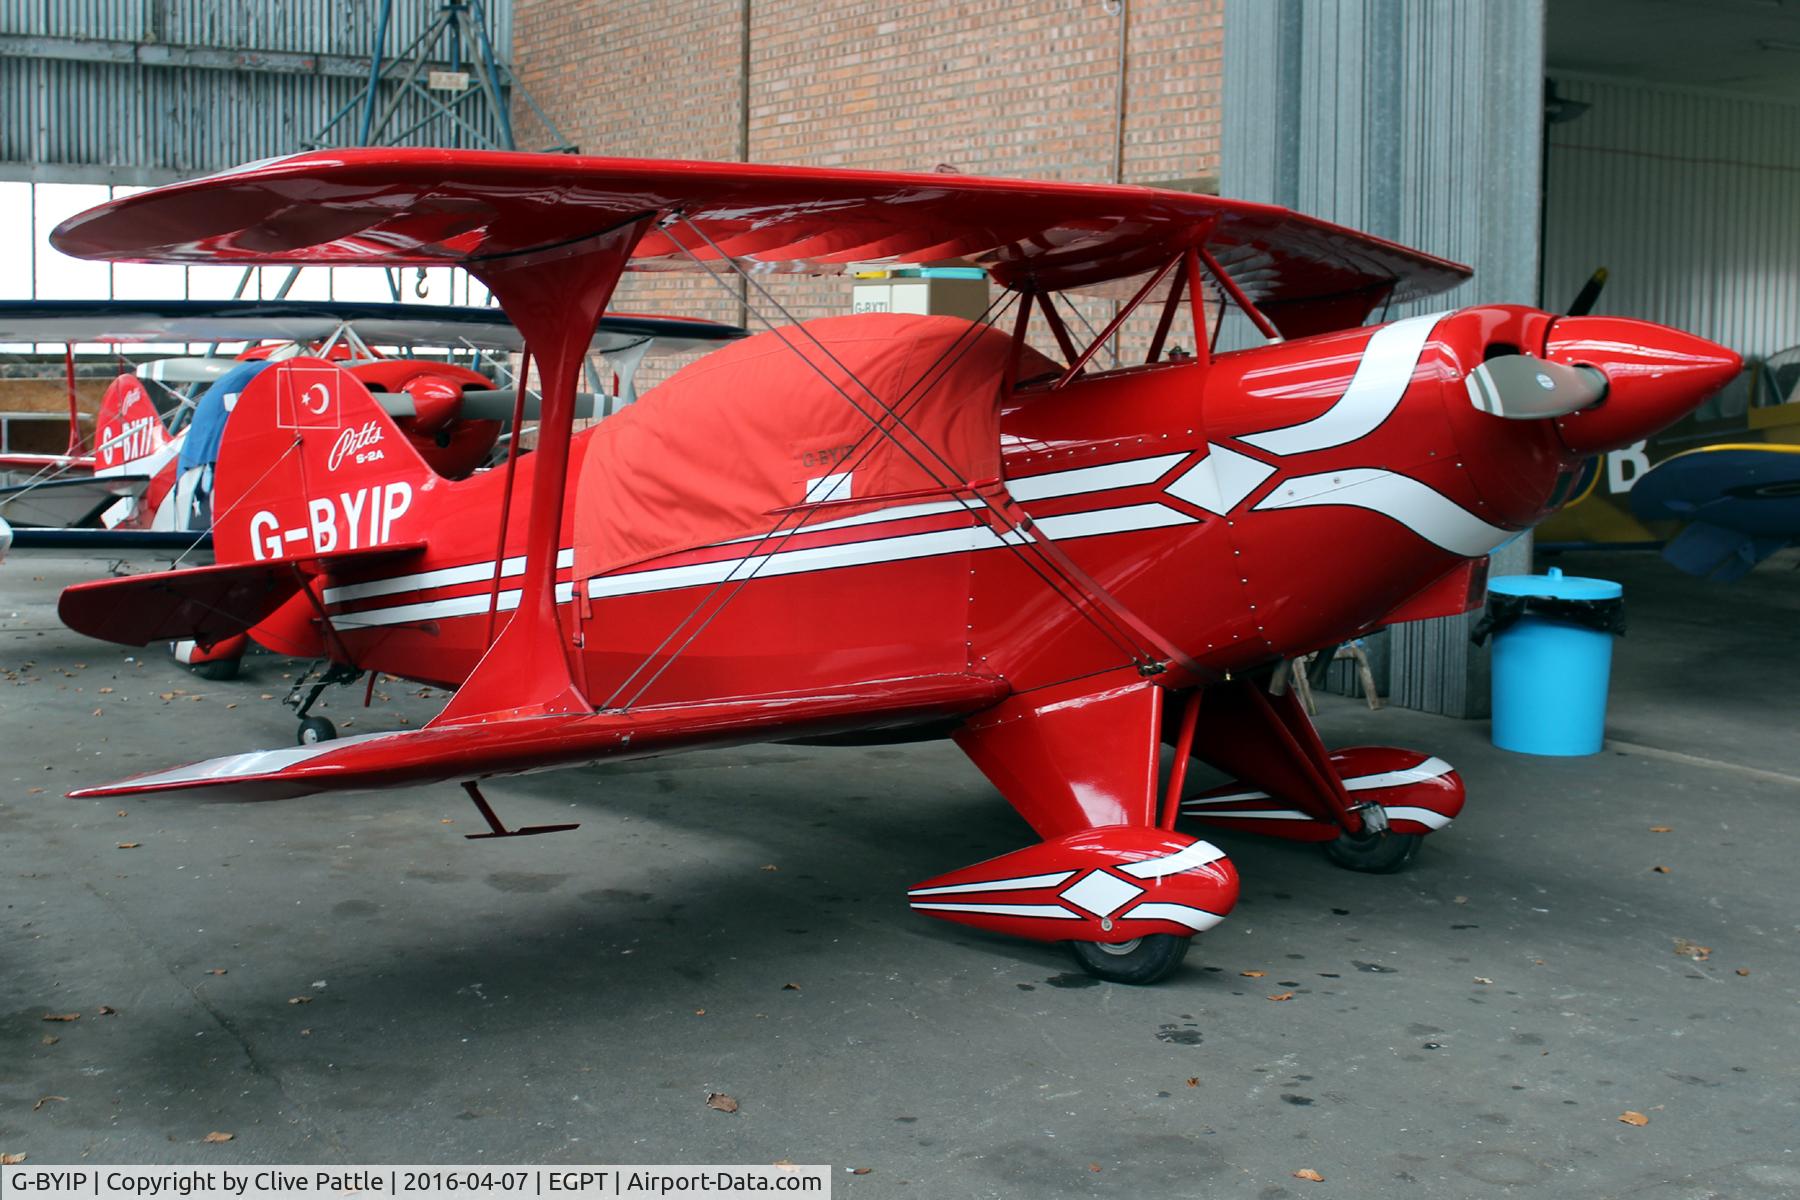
<point>202,603</point>
<point>1719,554</point>
<point>111,539</point>
<point>477,749</point>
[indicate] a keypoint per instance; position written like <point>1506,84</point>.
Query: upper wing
<point>475,749</point>
<point>127,321</point>
<point>419,206</point>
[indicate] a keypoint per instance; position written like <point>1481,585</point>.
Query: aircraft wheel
<point>1382,854</point>
<point>1146,959</point>
<point>218,669</point>
<point>314,730</point>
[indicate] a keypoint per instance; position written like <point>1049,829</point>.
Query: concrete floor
<point>733,922</point>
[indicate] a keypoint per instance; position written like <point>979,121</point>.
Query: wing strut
<point>555,296</point>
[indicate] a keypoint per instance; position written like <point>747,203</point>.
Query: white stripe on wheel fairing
<point>1375,390</point>
<point>1050,911</point>
<point>1196,919</point>
<point>1430,514</point>
<point>1022,883</point>
<point>1197,855</point>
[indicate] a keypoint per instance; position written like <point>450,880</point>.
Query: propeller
<point>1589,294</point>
<point>1521,388</point>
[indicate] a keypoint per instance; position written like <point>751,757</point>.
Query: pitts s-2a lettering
<point>1060,568</point>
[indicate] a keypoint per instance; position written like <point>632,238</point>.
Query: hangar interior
<point>346,979</point>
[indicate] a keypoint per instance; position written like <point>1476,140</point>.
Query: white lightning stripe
<point>1006,910</point>
<point>1092,479</point>
<point>1427,513</point>
<point>902,512</point>
<point>1111,520</point>
<point>1186,859</point>
<point>1020,883</point>
<point>430,610</point>
<point>442,577</point>
<point>895,549</point>
<point>1424,816</point>
<point>1220,481</point>
<point>1375,390</point>
<point>1431,768</point>
<point>1196,919</point>
<point>1252,814</point>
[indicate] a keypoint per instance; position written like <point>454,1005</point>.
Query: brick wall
<point>1024,88</point>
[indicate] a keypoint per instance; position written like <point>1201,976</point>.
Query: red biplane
<point>884,527</point>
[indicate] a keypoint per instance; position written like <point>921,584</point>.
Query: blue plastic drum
<point>1551,674</point>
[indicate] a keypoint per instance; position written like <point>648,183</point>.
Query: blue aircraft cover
<point>201,448</point>
<point>1742,502</point>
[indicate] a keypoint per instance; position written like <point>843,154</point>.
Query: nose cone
<point>1654,375</point>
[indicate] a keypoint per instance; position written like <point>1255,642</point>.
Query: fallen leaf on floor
<point>306,1033</point>
<point>446,821</point>
<point>1482,979</point>
<point>1662,829</point>
<point>1309,1173</point>
<point>215,1137</point>
<point>233,704</point>
<point>166,695</point>
<point>129,845</point>
<point>721,1102</point>
<point>1743,970</point>
<point>1094,1167</point>
<point>770,867</point>
<point>122,812</point>
<point>62,1016</point>
<point>699,1012</point>
<point>300,999</point>
<point>106,691</point>
<point>34,791</point>
<point>790,987</point>
<point>1252,974</point>
<point>1462,900</point>
<point>216,971</point>
<point>49,1039</point>
<point>97,712</point>
<point>1282,996</point>
<point>107,1010</point>
<point>1633,1117</point>
<point>861,1170</point>
<point>1660,870</point>
<point>11,1160</point>
<point>266,696</point>
<point>43,1100</point>
<point>1193,1081</point>
<point>1693,950</point>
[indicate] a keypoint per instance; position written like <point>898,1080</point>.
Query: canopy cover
<point>728,443</point>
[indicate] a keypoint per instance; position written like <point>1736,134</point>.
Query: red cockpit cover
<point>716,451</point>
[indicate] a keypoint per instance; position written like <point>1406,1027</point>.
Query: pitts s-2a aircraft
<point>882,526</point>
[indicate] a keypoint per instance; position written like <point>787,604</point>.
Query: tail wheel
<point>1374,854</point>
<point>314,730</point>
<point>1146,959</point>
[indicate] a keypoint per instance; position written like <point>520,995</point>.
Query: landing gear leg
<point>314,730</point>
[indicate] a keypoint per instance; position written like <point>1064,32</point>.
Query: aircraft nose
<point>1654,376</point>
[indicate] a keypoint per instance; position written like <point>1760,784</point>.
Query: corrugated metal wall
<point>1418,120</point>
<point>1691,200</point>
<point>103,91</point>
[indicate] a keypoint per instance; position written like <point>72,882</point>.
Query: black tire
<point>314,730</point>
<point>1148,959</point>
<point>219,669</point>
<point>1380,854</point>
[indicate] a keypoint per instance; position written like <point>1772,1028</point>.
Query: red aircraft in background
<point>883,527</point>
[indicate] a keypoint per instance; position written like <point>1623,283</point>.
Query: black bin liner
<point>1606,616</point>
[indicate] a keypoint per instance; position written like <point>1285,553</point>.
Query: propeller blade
<point>1589,293</point>
<point>1521,388</point>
